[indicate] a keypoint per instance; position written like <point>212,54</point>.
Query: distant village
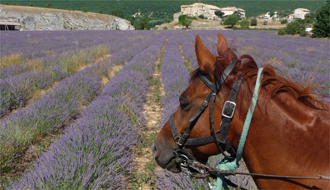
<point>208,11</point>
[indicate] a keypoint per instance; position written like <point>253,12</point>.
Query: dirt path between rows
<point>143,176</point>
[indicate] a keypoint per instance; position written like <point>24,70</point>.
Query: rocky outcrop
<point>33,18</point>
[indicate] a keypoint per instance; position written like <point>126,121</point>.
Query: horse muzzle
<point>165,158</point>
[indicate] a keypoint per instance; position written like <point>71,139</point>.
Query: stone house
<point>232,10</point>
<point>206,10</point>
<point>299,13</point>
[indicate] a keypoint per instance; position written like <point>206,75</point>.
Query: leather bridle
<point>181,153</point>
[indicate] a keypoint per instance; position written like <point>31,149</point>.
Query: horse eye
<point>184,105</point>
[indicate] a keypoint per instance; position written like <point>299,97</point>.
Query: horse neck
<point>286,137</point>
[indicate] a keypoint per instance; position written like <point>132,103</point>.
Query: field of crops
<point>92,86</point>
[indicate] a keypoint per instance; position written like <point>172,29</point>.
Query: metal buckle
<point>230,116</point>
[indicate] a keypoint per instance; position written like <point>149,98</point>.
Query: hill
<point>159,11</point>
<point>35,18</point>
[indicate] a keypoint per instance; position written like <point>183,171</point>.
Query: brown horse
<point>289,132</point>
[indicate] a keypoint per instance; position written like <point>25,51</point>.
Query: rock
<point>34,18</point>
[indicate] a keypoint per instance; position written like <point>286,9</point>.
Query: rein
<point>210,172</point>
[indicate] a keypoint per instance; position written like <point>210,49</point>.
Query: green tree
<point>295,28</point>
<point>271,14</point>
<point>254,22</point>
<point>231,20</point>
<point>186,23</point>
<point>118,13</point>
<point>84,9</point>
<point>219,13</point>
<point>201,17</point>
<point>48,5</point>
<point>244,24</point>
<point>182,17</point>
<point>310,17</point>
<point>284,21</point>
<point>322,26</point>
<point>142,24</point>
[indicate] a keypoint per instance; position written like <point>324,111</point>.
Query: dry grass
<point>311,49</point>
<point>13,59</point>
<point>246,49</point>
<point>274,61</point>
<point>284,53</point>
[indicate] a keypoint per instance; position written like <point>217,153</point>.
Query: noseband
<point>181,153</point>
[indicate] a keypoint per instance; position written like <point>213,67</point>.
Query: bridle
<point>188,161</point>
<point>181,153</point>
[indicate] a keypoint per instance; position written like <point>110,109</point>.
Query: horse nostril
<point>155,150</point>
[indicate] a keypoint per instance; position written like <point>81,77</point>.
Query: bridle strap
<point>183,140</point>
<point>228,111</point>
<point>225,74</point>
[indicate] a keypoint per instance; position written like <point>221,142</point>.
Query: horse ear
<point>222,44</point>
<point>206,60</point>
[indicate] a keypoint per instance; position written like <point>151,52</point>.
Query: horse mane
<point>274,83</point>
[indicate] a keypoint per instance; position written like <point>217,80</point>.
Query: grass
<point>12,59</point>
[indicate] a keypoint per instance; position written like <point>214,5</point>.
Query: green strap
<point>226,164</point>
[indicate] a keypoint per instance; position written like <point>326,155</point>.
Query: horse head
<point>190,112</point>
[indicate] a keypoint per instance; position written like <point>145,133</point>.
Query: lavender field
<point>92,85</point>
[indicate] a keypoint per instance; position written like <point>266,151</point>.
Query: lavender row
<point>101,141</point>
<point>40,44</point>
<point>16,90</point>
<point>53,109</point>
<point>49,112</point>
<point>188,50</point>
<point>175,78</point>
<point>114,43</point>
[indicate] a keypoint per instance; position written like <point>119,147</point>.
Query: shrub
<point>201,16</point>
<point>303,33</point>
<point>165,28</point>
<point>84,9</point>
<point>295,27</point>
<point>265,22</point>
<point>281,31</point>
<point>284,21</point>
<point>254,22</point>
<point>244,24</point>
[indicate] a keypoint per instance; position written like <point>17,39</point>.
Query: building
<point>10,26</point>
<point>207,11</point>
<point>232,10</point>
<point>299,13</point>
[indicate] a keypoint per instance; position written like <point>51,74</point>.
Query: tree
<point>142,24</point>
<point>48,5</point>
<point>201,17</point>
<point>238,14</point>
<point>219,13</point>
<point>118,13</point>
<point>310,17</point>
<point>231,20</point>
<point>244,24</point>
<point>322,26</point>
<point>186,23</point>
<point>295,28</point>
<point>84,9</point>
<point>271,14</point>
<point>254,22</point>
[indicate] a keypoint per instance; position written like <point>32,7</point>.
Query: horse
<point>289,131</point>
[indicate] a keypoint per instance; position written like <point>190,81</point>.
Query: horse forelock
<point>276,84</point>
